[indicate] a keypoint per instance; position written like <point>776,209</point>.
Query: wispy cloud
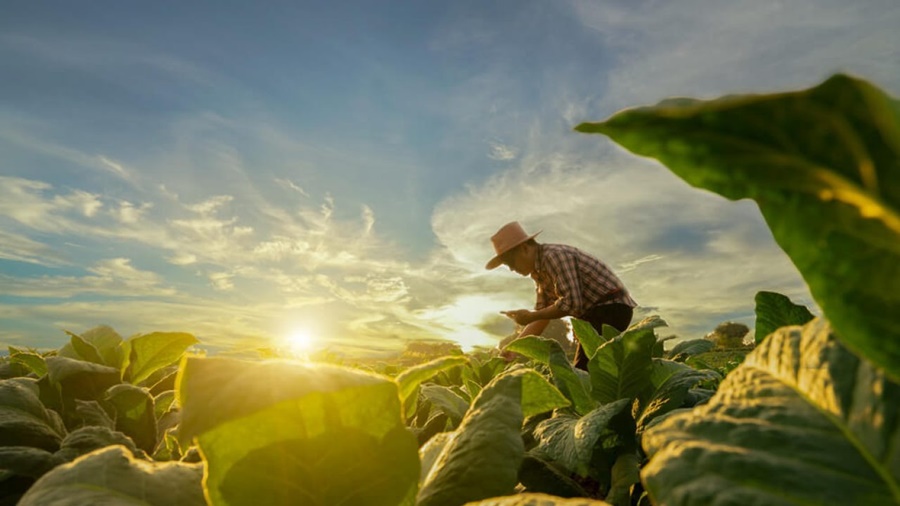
<point>23,249</point>
<point>287,183</point>
<point>499,151</point>
<point>111,277</point>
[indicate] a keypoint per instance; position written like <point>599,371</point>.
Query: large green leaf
<point>111,476</point>
<point>824,167</point>
<point>447,401</point>
<point>106,347</point>
<point>78,379</point>
<point>587,336</point>
<point>150,352</point>
<point>33,361</point>
<point>85,349</point>
<point>570,440</point>
<point>672,393</point>
<point>550,352</point>
<point>108,343</point>
<point>91,413</point>
<point>621,367</point>
<point>774,310</point>
<point>409,379</point>
<point>537,475</point>
<point>481,459</point>
<point>801,421</point>
<point>691,347</point>
<point>279,432</point>
<point>23,419</point>
<point>27,461</point>
<point>88,439</point>
<point>135,414</point>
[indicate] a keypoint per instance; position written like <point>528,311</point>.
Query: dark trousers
<point>616,315</point>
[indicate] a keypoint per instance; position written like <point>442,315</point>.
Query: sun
<point>300,342</point>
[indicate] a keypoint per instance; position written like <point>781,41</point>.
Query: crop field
<point>808,415</point>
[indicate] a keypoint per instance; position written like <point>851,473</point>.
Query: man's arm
<point>534,328</point>
<point>527,317</point>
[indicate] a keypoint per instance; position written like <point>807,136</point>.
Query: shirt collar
<point>539,261</point>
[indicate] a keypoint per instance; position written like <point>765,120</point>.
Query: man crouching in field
<point>568,282</point>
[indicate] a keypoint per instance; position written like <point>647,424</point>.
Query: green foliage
<point>621,367</point>
<point>824,167</point>
<point>447,401</point>
<point>24,421</point>
<point>681,351</point>
<point>803,420</point>
<point>774,310</point>
<point>481,459</point>
<point>152,352</point>
<point>135,414</point>
<point>628,386</point>
<point>34,362</point>
<point>78,379</point>
<point>247,415</point>
<point>411,378</point>
<point>112,476</point>
<point>565,377</point>
<point>571,440</point>
<point>100,345</point>
<point>78,400</point>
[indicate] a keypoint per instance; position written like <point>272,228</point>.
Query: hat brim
<point>495,262</point>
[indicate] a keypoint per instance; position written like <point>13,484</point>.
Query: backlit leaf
<point>151,352</point>
<point>408,380</point>
<point>282,432</point>
<point>33,361</point>
<point>550,352</point>
<point>824,167</point>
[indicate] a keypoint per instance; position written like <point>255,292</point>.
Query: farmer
<point>568,282</point>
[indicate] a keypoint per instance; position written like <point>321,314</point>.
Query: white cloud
<point>703,48</point>
<point>182,259</point>
<point>115,167</point>
<point>287,183</point>
<point>23,249</point>
<point>128,214</point>
<point>83,202</point>
<point>211,205</point>
<point>222,281</point>
<point>499,151</point>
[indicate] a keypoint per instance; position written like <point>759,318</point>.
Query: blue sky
<point>247,171</point>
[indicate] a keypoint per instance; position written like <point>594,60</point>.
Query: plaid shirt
<point>574,280</point>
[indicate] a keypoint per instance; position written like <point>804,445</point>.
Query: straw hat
<point>508,237</point>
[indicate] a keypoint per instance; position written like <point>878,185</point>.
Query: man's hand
<point>520,316</point>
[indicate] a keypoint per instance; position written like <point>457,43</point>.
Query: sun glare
<point>300,342</point>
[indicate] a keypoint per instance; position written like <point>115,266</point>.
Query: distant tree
<point>417,352</point>
<point>729,335</point>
